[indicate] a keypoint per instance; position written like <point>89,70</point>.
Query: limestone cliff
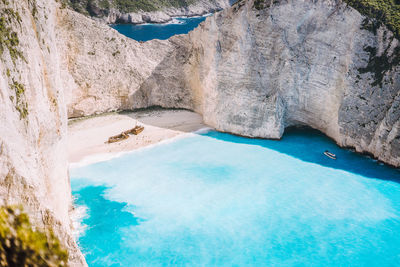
<point>252,70</point>
<point>33,160</point>
<point>255,71</point>
<point>146,11</point>
<point>258,68</point>
<point>101,68</point>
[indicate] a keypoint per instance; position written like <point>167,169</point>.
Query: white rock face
<point>247,71</point>
<point>255,72</point>
<point>101,68</point>
<point>33,162</point>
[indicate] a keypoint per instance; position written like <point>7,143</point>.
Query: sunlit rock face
<point>255,72</point>
<point>101,68</point>
<point>33,119</point>
<point>251,70</point>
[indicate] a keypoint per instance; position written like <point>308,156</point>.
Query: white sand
<point>87,138</point>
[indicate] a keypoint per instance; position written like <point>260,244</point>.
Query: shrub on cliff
<point>125,6</point>
<point>384,11</point>
<point>22,245</point>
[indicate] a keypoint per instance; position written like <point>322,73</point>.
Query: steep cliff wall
<point>260,67</point>
<point>33,160</point>
<point>101,68</point>
<point>255,70</point>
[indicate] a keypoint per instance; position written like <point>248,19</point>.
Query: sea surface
<point>146,32</point>
<point>217,199</point>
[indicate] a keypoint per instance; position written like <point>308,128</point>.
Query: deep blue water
<point>148,32</point>
<point>223,200</point>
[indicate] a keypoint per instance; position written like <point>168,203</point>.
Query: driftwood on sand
<point>125,135</point>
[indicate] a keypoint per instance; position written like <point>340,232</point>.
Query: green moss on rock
<point>20,104</point>
<point>125,6</point>
<point>8,38</point>
<point>22,245</point>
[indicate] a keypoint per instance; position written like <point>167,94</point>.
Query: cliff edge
<point>33,119</point>
<point>144,11</point>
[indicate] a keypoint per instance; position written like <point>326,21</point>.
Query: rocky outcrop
<point>199,8</point>
<point>101,68</point>
<point>111,13</point>
<point>301,63</point>
<point>260,67</point>
<point>33,161</point>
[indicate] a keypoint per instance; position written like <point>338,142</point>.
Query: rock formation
<point>256,69</point>
<point>33,160</point>
<point>150,11</point>
<point>253,70</point>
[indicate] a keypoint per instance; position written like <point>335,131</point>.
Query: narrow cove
<point>164,31</point>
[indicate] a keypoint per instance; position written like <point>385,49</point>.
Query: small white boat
<point>330,155</point>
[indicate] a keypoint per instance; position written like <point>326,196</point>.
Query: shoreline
<point>167,22</point>
<point>87,136</point>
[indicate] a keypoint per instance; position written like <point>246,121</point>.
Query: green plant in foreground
<point>21,245</point>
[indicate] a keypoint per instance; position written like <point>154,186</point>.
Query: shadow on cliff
<point>308,145</point>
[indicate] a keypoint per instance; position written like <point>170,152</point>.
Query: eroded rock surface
<point>254,70</point>
<point>33,159</point>
<point>162,14</point>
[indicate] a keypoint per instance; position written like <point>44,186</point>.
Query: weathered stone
<point>33,131</point>
<point>198,8</point>
<point>255,72</point>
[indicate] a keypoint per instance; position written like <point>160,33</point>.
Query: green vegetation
<point>259,4</point>
<point>384,11</point>
<point>379,12</point>
<point>262,4</point>
<point>8,38</point>
<point>20,103</point>
<point>116,53</point>
<point>125,6</point>
<point>104,4</point>
<point>21,245</point>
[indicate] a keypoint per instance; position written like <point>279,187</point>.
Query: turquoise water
<point>148,32</point>
<point>222,200</point>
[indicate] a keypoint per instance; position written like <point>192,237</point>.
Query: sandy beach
<point>87,137</point>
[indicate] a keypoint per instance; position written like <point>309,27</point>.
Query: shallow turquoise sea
<point>148,32</point>
<point>220,200</point>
